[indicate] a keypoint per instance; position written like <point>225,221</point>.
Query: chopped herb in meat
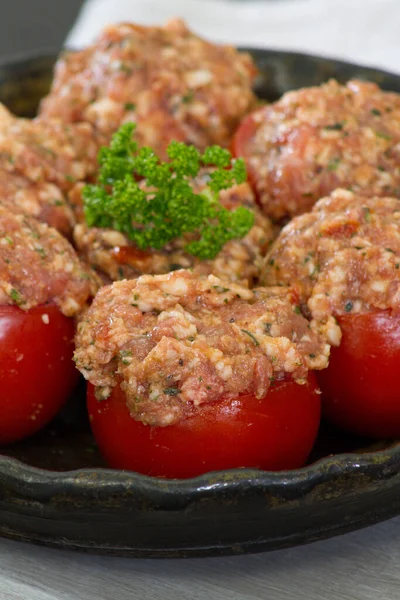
<point>15,296</point>
<point>252,336</point>
<point>334,127</point>
<point>333,164</point>
<point>171,391</point>
<point>188,97</point>
<point>367,214</point>
<point>383,136</point>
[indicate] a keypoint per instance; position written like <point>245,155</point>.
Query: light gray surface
<point>23,28</point>
<point>359,566</point>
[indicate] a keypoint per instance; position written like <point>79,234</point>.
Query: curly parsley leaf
<point>165,207</point>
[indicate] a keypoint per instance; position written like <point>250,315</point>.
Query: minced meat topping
<point>317,139</point>
<point>342,258</point>
<point>42,200</point>
<point>174,84</point>
<point>40,160</point>
<point>174,342</point>
<point>113,255</point>
<point>38,265</point>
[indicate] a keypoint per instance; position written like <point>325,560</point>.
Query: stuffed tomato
<point>314,140</point>
<point>343,258</point>
<point>43,286</point>
<point>191,373</point>
<point>115,257</point>
<point>172,83</point>
<point>40,161</point>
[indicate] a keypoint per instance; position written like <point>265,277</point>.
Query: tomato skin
<point>37,373</point>
<point>242,141</point>
<point>361,386</point>
<point>275,433</point>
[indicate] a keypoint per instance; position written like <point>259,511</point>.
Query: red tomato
<point>275,433</point>
<point>361,386</point>
<point>37,373</point>
<point>242,140</point>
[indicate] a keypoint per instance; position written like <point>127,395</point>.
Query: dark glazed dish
<point>54,491</point>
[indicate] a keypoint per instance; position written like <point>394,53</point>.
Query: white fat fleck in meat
<point>379,285</point>
<point>171,355</point>
<point>337,274</point>
<point>176,286</point>
<point>144,306</point>
<point>183,323</point>
<point>198,78</point>
<point>114,238</point>
<point>224,369</point>
<point>190,349</point>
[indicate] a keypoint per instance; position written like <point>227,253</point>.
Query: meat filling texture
<point>342,258</point>
<point>38,265</point>
<point>317,139</point>
<point>172,83</point>
<point>115,257</point>
<point>174,342</point>
<point>40,161</point>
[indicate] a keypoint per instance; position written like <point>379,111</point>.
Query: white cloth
<point>363,31</point>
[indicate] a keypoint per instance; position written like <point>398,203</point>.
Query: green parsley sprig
<point>166,207</point>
